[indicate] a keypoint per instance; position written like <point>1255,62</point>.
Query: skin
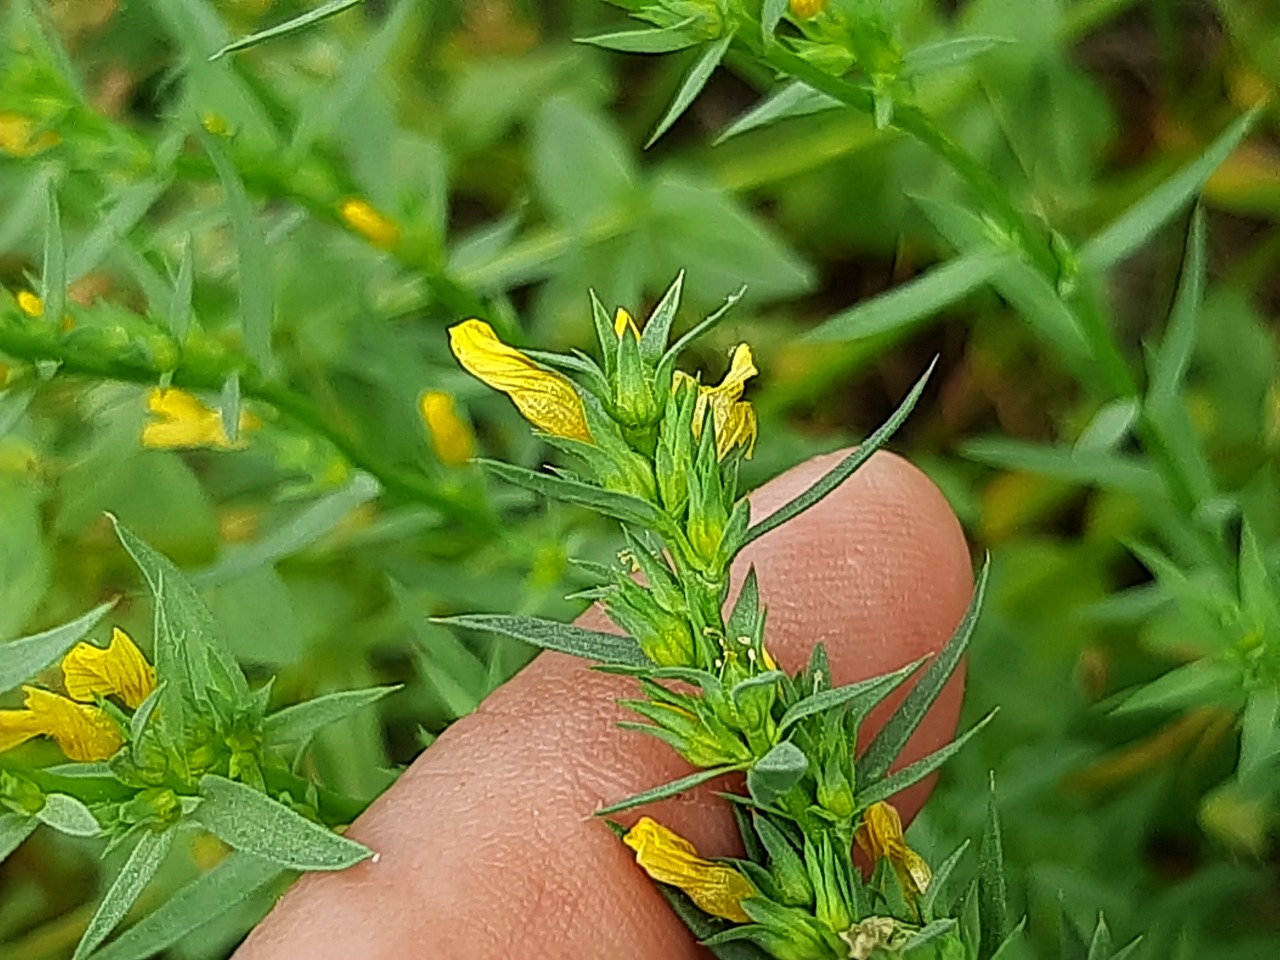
<point>486,845</point>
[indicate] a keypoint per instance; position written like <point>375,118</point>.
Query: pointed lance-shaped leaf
<point>893,736</point>
<point>657,329</point>
<point>1170,361</point>
<point>143,864</point>
<point>929,903</point>
<point>53,274</point>
<point>301,720</point>
<point>620,506</point>
<point>859,697</point>
<point>993,894</point>
<point>886,787</point>
<point>845,468</point>
<point>576,641</point>
<point>667,789</point>
<point>22,659</point>
<point>667,39</point>
<point>300,22</point>
<point>693,83</point>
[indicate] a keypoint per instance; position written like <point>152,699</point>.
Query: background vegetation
<point>504,172</point>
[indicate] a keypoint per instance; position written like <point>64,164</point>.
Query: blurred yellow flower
<point>30,304</point>
<point>183,422</point>
<point>803,9</point>
<point>880,837</point>
<point>668,858</point>
<point>546,399</point>
<point>89,672</point>
<point>734,418</point>
<point>450,435</point>
<point>84,733</point>
<point>19,136</point>
<point>366,220</point>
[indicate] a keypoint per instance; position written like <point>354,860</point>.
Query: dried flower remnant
<point>669,858</point>
<point>880,838</point>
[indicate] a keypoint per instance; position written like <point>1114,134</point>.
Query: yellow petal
<point>119,671</point>
<point>668,858</point>
<point>365,219</point>
<point>735,427</point>
<point>622,322</point>
<point>17,727</point>
<point>450,434</point>
<point>184,422</point>
<point>880,837</point>
<point>30,304</point>
<point>741,369</point>
<point>546,399</point>
<point>84,733</point>
<point>734,419</point>
<point>18,136</point>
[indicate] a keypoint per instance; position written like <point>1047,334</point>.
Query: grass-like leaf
<point>993,894</point>
<point>1132,228</point>
<point>53,273</point>
<point>1171,360</point>
<point>929,907</point>
<point>300,22</point>
<point>948,54</point>
<point>794,99</point>
<point>202,901</point>
<point>20,660</point>
<point>903,308</point>
<point>181,311</point>
<point>845,468</point>
<point>250,821</point>
<point>693,83</point>
<point>654,40</point>
<point>620,506</point>
<point>667,790</point>
<point>893,736</point>
<point>554,635</point>
<point>859,697</point>
<point>143,863</point>
<point>301,720</point>
<point>886,787</point>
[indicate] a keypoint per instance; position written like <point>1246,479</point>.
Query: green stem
<point>204,369</point>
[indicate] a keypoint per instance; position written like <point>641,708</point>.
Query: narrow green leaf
<point>187,625</point>
<point>845,468</point>
<point>859,697</point>
<point>1170,362</point>
<point>893,736</point>
<point>22,659</point>
<point>229,406</point>
<point>53,274</point>
<point>885,788</point>
<point>143,863</point>
<point>253,258</point>
<point>1196,684</point>
<point>947,54</point>
<point>657,329</point>
<point>301,720</point>
<point>666,790</point>
<point>181,310</point>
<point>911,304</point>
<point>1132,228</point>
<point>1128,951</point>
<point>931,932</point>
<point>693,83</point>
<point>300,22</point>
<point>1100,945</point>
<point>673,352</point>
<point>776,772</point>
<point>993,895</point>
<point>620,506</point>
<point>771,13</point>
<point>794,99</point>
<point>1108,428</point>
<point>14,829</point>
<point>941,876</point>
<point>294,535</point>
<point>1014,946</point>
<point>237,878</point>
<point>653,40</point>
<point>111,229</point>
<point>554,635</point>
<point>1259,731</point>
<point>250,821</point>
<point>68,815</point>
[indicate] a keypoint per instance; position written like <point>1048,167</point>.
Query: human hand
<point>487,846</point>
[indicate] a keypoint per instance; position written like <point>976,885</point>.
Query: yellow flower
<point>546,399</point>
<point>120,671</point>
<point>450,434</point>
<point>804,9</point>
<point>668,858</point>
<point>734,418</point>
<point>18,136</point>
<point>880,837</point>
<point>30,304</point>
<point>84,733</point>
<point>366,220</point>
<point>622,322</point>
<point>184,422</point>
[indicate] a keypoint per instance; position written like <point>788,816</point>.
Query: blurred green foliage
<point>501,173</point>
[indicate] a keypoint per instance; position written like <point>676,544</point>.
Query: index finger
<point>487,846</point>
